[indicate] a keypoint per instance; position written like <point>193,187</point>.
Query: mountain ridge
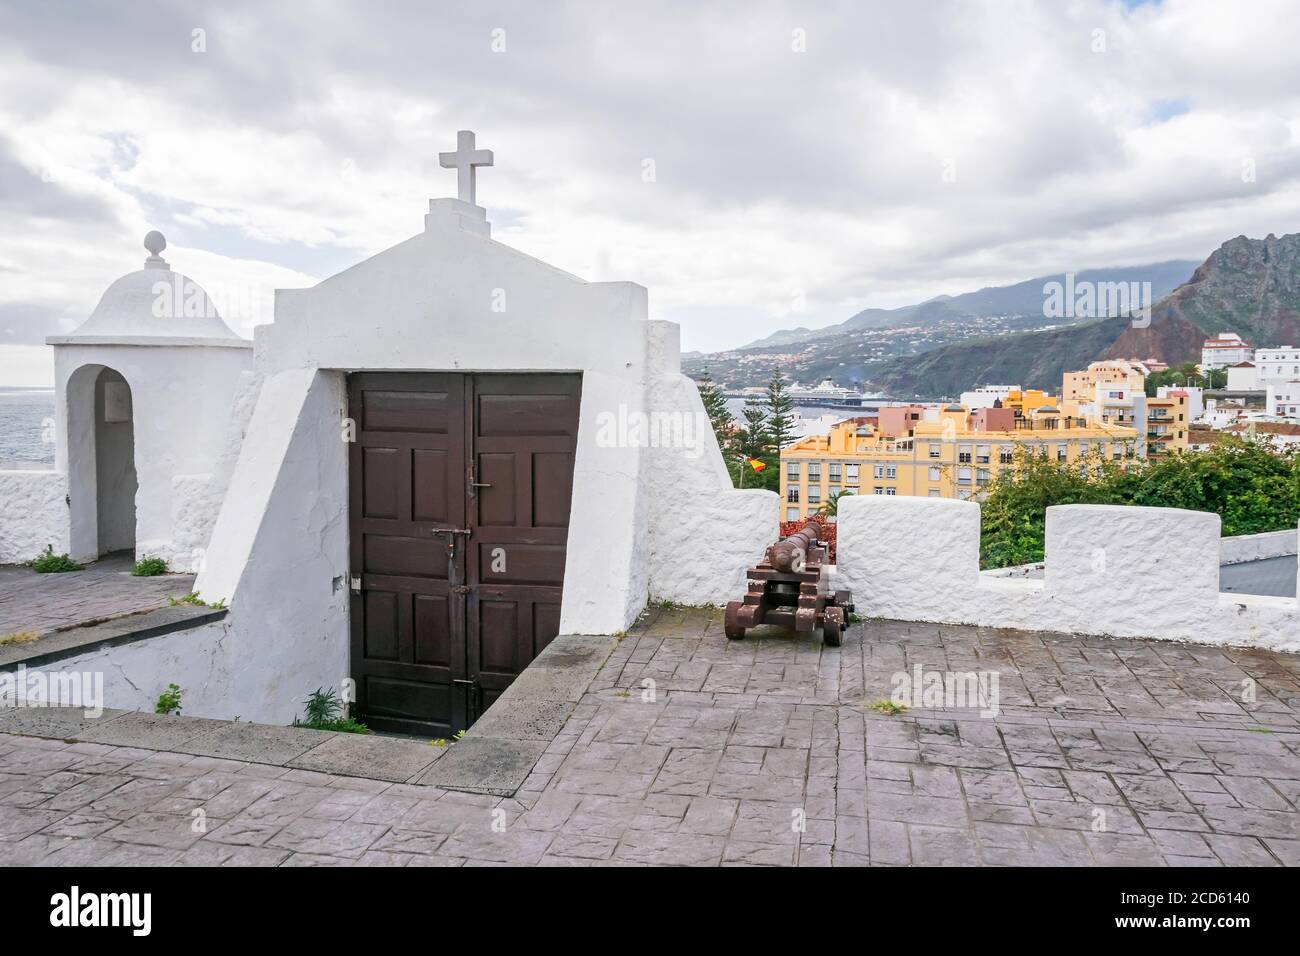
<point>1017,298</point>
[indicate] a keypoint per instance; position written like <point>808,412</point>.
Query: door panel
<point>524,432</point>
<point>461,487</point>
<point>407,492</point>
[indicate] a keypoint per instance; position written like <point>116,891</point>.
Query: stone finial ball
<point>155,242</point>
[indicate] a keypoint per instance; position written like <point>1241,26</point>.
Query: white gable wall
<point>451,299</point>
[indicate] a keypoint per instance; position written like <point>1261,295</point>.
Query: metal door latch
<point>355,583</point>
<point>451,534</point>
<point>474,482</point>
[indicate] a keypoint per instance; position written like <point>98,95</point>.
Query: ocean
<point>26,428</point>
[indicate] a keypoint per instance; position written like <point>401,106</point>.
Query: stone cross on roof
<point>464,160</point>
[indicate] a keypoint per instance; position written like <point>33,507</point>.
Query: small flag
<point>756,464</point>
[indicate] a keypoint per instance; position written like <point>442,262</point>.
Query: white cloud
<point>300,143</point>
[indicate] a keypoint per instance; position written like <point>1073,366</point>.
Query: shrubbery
<point>1251,488</point>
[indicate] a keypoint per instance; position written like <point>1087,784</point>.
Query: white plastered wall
<point>704,533</point>
<point>181,404</point>
<point>33,514</point>
<point>220,675</point>
<point>1110,570</point>
<point>451,299</point>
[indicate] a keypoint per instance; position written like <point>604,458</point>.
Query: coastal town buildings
<point>937,452</point>
<point>1079,386</point>
<point>1224,350</point>
<point>1243,377</point>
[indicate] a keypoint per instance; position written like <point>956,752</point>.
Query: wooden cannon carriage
<point>790,589</point>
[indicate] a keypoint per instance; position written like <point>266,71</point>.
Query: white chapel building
<point>425,469</point>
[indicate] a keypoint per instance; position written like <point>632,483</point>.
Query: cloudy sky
<point>756,165</point>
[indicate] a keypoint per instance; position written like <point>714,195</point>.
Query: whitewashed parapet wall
<point>33,514</point>
<point>704,533</point>
<point>1110,570</point>
<point>223,673</point>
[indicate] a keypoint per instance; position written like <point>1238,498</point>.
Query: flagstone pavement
<point>689,749</point>
<point>41,603</point>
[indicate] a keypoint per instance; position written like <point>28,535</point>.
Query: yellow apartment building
<point>945,453</point>
<point>1079,386</point>
<point>1166,421</point>
<point>1168,426</point>
<point>1027,401</point>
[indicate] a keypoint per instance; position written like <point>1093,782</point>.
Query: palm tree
<point>831,506</point>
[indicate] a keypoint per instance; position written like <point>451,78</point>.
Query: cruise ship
<point>826,393</point>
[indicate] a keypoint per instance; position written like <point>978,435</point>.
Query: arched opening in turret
<point>101,468</point>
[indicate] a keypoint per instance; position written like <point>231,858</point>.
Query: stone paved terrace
<point>41,603</point>
<point>1110,752</point>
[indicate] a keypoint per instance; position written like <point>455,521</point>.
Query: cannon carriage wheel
<point>833,627</point>
<point>730,626</point>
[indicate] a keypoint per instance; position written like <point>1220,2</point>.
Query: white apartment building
<point>1243,377</point>
<point>1283,399</point>
<point>1227,348</point>
<point>1278,365</point>
<point>986,395</point>
<point>1195,398</point>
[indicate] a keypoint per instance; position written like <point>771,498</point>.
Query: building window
<point>814,471</point>
<point>835,472</point>
<point>878,471</point>
<point>935,472</point>
<point>1083,448</point>
<point>792,494</point>
<point>891,491</point>
<point>891,471</point>
<point>878,490</point>
<point>1061,452</point>
<point>933,493</point>
<point>791,514</point>
<point>963,454</point>
<point>792,470</point>
<point>1006,456</point>
<point>934,450</point>
<point>981,454</point>
<point>851,474</point>
<point>963,476</point>
<point>981,476</point>
<point>814,495</point>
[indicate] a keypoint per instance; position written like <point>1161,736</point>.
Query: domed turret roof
<point>154,306</point>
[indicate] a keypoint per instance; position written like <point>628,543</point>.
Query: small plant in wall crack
<point>47,562</point>
<point>169,701</point>
<point>324,711</point>
<point>18,637</point>
<point>194,599</point>
<point>887,707</point>
<point>149,568</point>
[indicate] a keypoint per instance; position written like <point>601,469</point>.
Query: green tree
<point>754,441</point>
<point>780,413</point>
<point>1252,489</point>
<point>831,506</point>
<point>720,417</point>
<point>1186,374</point>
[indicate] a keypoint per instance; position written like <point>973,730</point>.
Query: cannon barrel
<point>790,553</point>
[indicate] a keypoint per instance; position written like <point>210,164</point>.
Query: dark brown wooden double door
<point>460,494</point>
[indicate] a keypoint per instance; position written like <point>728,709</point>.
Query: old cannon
<point>790,589</point>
